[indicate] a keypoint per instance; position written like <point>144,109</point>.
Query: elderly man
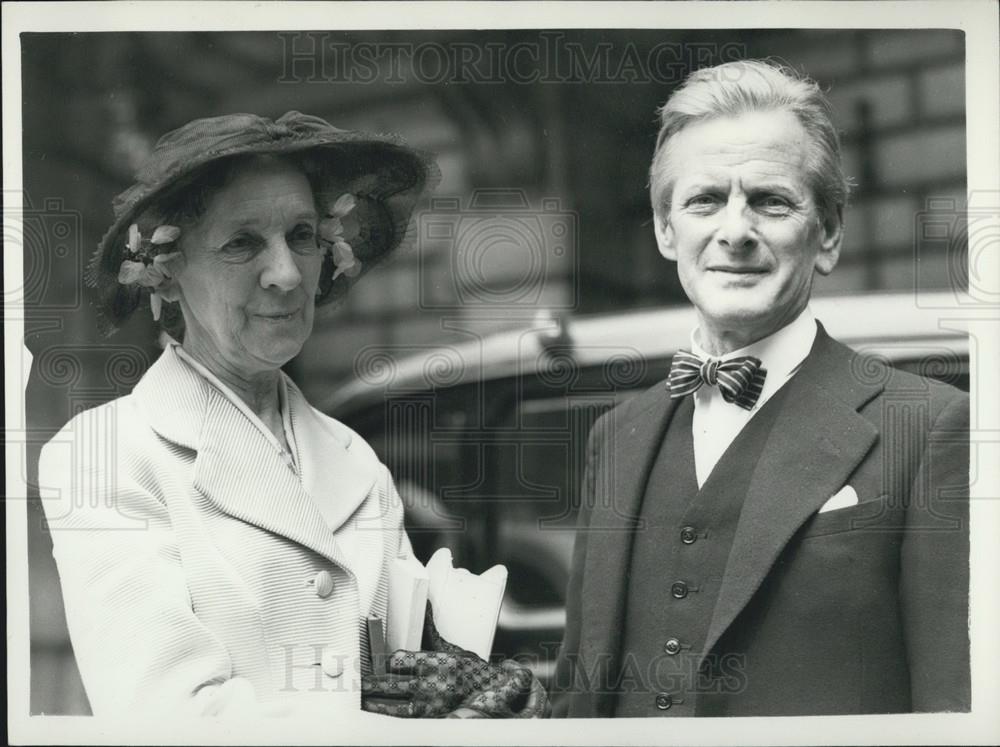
<point>780,528</point>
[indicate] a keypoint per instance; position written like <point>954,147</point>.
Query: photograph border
<point>977,19</point>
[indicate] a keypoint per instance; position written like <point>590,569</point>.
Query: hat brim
<point>386,176</point>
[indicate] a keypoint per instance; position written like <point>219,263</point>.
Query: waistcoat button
<point>688,535</point>
<point>664,701</point>
<point>672,646</point>
<point>679,590</point>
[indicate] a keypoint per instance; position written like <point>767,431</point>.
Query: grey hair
<point>745,86</point>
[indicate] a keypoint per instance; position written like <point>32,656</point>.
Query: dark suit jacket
<point>858,610</point>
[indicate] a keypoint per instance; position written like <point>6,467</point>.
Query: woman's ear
<point>665,235</point>
<point>167,268</point>
<point>169,290</point>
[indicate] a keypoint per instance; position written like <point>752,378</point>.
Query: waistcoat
<point>679,557</point>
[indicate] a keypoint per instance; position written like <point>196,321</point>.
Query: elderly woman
<point>220,543</point>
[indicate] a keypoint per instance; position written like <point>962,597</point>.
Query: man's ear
<point>665,235</point>
<point>830,240</point>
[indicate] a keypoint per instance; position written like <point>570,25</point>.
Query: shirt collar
<point>781,352</point>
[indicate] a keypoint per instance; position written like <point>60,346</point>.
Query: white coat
<point>199,570</point>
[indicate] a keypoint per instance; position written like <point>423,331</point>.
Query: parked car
<point>486,439</point>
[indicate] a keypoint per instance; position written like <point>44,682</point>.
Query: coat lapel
<point>817,441</point>
<point>339,471</point>
<point>239,470</point>
<point>338,468</point>
<point>624,459</point>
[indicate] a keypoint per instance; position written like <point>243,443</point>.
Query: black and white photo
<point>375,368</point>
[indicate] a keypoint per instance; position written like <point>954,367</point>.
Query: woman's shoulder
<point>333,428</point>
<point>102,438</point>
<point>116,419</point>
<point>95,468</point>
<point>349,438</point>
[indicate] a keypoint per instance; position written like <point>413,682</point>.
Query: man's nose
<point>736,231</point>
<point>280,270</point>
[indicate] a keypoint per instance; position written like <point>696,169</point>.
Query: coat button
<point>324,584</point>
<point>688,535</point>
<point>664,701</point>
<point>679,590</point>
<point>332,663</point>
<point>672,646</point>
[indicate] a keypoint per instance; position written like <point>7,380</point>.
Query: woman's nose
<point>736,231</point>
<point>280,270</point>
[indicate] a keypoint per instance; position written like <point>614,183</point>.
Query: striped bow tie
<point>739,379</point>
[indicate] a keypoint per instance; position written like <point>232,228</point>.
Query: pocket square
<point>844,497</point>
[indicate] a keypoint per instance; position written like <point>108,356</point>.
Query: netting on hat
<point>386,177</point>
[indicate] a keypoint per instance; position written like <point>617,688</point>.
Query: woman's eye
<point>240,244</point>
<point>303,233</point>
<point>773,203</point>
<point>303,238</point>
<point>701,202</point>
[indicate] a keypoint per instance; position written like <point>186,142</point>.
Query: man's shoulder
<point>926,384</point>
<point>630,407</point>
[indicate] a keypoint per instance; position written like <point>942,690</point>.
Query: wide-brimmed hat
<point>385,177</point>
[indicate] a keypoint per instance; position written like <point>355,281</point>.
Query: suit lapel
<point>624,460</point>
<point>239,470</point>
<point>817,441</point>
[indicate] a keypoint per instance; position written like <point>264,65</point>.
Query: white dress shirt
<point>717,422</point>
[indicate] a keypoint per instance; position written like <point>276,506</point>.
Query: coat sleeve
<point>139,646</point>
<point>934,582</point>
<point>563,685</point>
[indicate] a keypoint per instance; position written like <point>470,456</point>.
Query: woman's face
<point>253,263</point>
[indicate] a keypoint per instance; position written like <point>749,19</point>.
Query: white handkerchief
<point>844,497</point>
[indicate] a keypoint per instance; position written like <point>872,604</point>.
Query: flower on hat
<point>153,263</point>
<point>331,233</point>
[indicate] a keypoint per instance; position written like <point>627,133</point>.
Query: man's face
<point>743,224</point>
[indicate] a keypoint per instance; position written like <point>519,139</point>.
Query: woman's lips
<point>278,316</point>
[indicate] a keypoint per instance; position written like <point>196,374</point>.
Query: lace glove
<point>483,705</point>
<point>448,681</point>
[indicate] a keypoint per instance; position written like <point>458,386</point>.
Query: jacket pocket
<point>867,515</point>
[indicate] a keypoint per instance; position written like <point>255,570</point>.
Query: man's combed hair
<point>745,86</point>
